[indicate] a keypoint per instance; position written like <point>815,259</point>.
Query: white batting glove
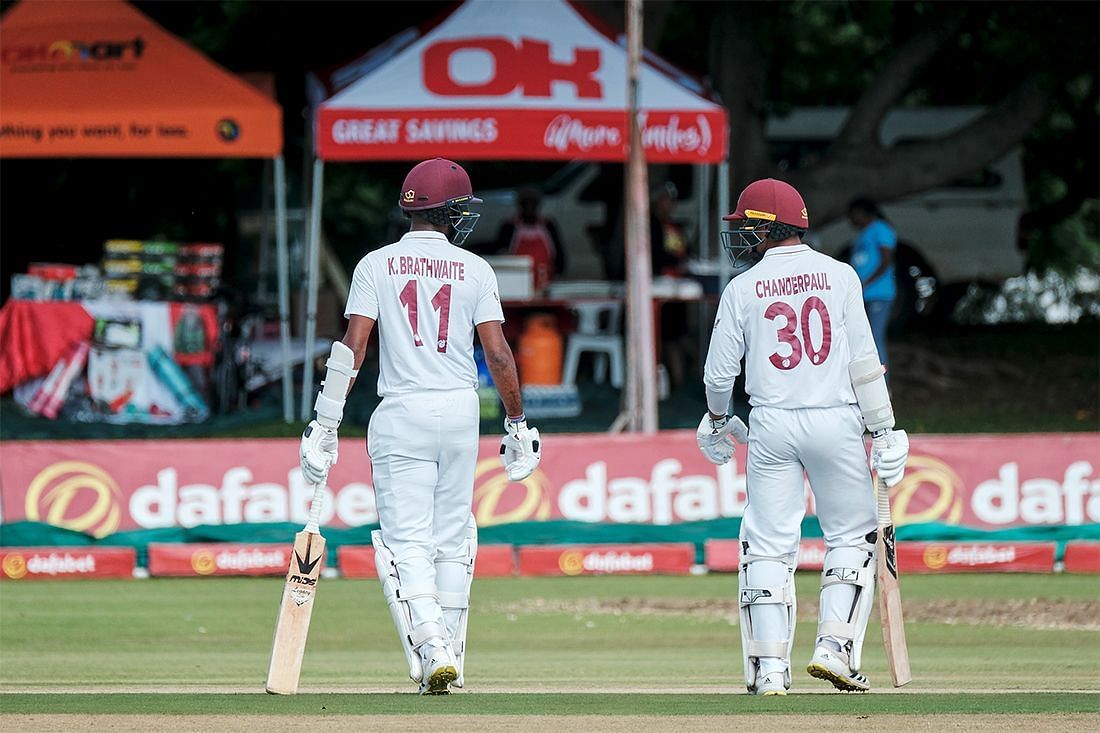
<point>520,449</point>
<point>318,452</point>
<point>889,452</point>
<point>716,437</point>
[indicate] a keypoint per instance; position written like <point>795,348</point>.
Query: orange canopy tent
<point>98,79</point>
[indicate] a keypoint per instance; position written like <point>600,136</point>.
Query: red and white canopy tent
<point>505,80</point>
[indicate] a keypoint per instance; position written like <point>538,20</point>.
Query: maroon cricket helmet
<point>771,200</point>
<point>435,183</point>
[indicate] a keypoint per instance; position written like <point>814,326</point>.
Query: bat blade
<point>889,599</point>
<point>292,625</point>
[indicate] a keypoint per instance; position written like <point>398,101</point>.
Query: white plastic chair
<point>598,331</point>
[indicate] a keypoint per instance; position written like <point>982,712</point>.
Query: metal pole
<point>313,268</point>
<point>282,263</point>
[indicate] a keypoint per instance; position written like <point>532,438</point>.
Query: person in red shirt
<point>535,236</point>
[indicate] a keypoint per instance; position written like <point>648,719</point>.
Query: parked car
<point>963,232</point>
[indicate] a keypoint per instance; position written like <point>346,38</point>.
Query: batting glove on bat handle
<point>889,453</point>
<point>716,437</point>
<point>520,449</point>
<point>318,452</point>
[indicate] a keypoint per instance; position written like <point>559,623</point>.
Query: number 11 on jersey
<point>441,302</point>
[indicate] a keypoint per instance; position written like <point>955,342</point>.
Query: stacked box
<point>122,266</point>
<point>136,269</point>
<point>48,281</point>
<point>198,271</point>
<point>158,270</point>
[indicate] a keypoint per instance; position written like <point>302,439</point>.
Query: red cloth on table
<point>33,336</point>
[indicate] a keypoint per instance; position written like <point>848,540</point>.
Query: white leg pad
<point>454,575</point>
<point>847,597</point>
<point>398,596</point>
<point>766,597</point>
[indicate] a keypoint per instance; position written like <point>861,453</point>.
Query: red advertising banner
<point>975,557</point>
<point>356,561</point>
<point>66,563</point>
<point>493,561</point>
<point>675,558</point>
<point>175,560</point>
<point>509,134</point>
<point>101,487</point>
<point>1082,557</point>
<point>723,556</point>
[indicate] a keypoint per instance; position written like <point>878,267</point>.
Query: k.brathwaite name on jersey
<point>426,267</point>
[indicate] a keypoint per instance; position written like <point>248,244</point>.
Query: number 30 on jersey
<point>788,333</point>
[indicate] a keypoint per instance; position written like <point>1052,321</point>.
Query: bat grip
<point>315,509</point>
<point>883,492</point>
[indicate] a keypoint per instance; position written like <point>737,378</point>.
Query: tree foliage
<point>1034,64</point>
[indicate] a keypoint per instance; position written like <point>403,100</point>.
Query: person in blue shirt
<point>873,260</point>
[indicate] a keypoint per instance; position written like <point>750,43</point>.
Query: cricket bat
<point>292,625</point>
<point>889,594</point>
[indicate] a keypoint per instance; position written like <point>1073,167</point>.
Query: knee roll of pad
<point>847,597</point>
<point>766,586</point>
<point>454,574</point>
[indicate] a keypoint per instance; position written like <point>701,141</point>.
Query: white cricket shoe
<point>771,684</point>
<point>440,669</point>
<point>833,666</point>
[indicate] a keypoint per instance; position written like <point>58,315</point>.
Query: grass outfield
<point>200,647</point>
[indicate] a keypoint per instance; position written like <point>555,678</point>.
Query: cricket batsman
<point>427,296</point>
<point>815,383</point>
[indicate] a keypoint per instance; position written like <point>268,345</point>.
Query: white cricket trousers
<point>423,452</point>
<point>826,443</point>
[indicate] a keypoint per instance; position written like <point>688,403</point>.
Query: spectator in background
<point>873,260</point>
<point>535,236</point>
<point>668,250</point>
<point>667,241</point>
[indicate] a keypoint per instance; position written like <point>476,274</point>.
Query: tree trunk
<point>740,74</point>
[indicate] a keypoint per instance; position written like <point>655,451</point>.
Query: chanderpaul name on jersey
<point>426,267</point>
<point>792,285</point>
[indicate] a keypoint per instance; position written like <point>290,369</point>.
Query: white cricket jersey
<point>427,296</point>
<point>797,317</point>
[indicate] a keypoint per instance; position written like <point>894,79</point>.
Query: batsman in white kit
<point>815,383</point>
<point>428,297</point>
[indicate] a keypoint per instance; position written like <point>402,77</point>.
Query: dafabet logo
<point>500,501</point>
<point>15,566</point>
<point>75,495</point>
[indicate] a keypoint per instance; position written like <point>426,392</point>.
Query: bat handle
<point>315,509</point>
<point>883,492</point>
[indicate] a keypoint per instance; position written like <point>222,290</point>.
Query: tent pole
<point>641,384</point>
<point>313,264</point>
<point>702,193</point>
<point>724,204</point>
<point>282,263</point>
